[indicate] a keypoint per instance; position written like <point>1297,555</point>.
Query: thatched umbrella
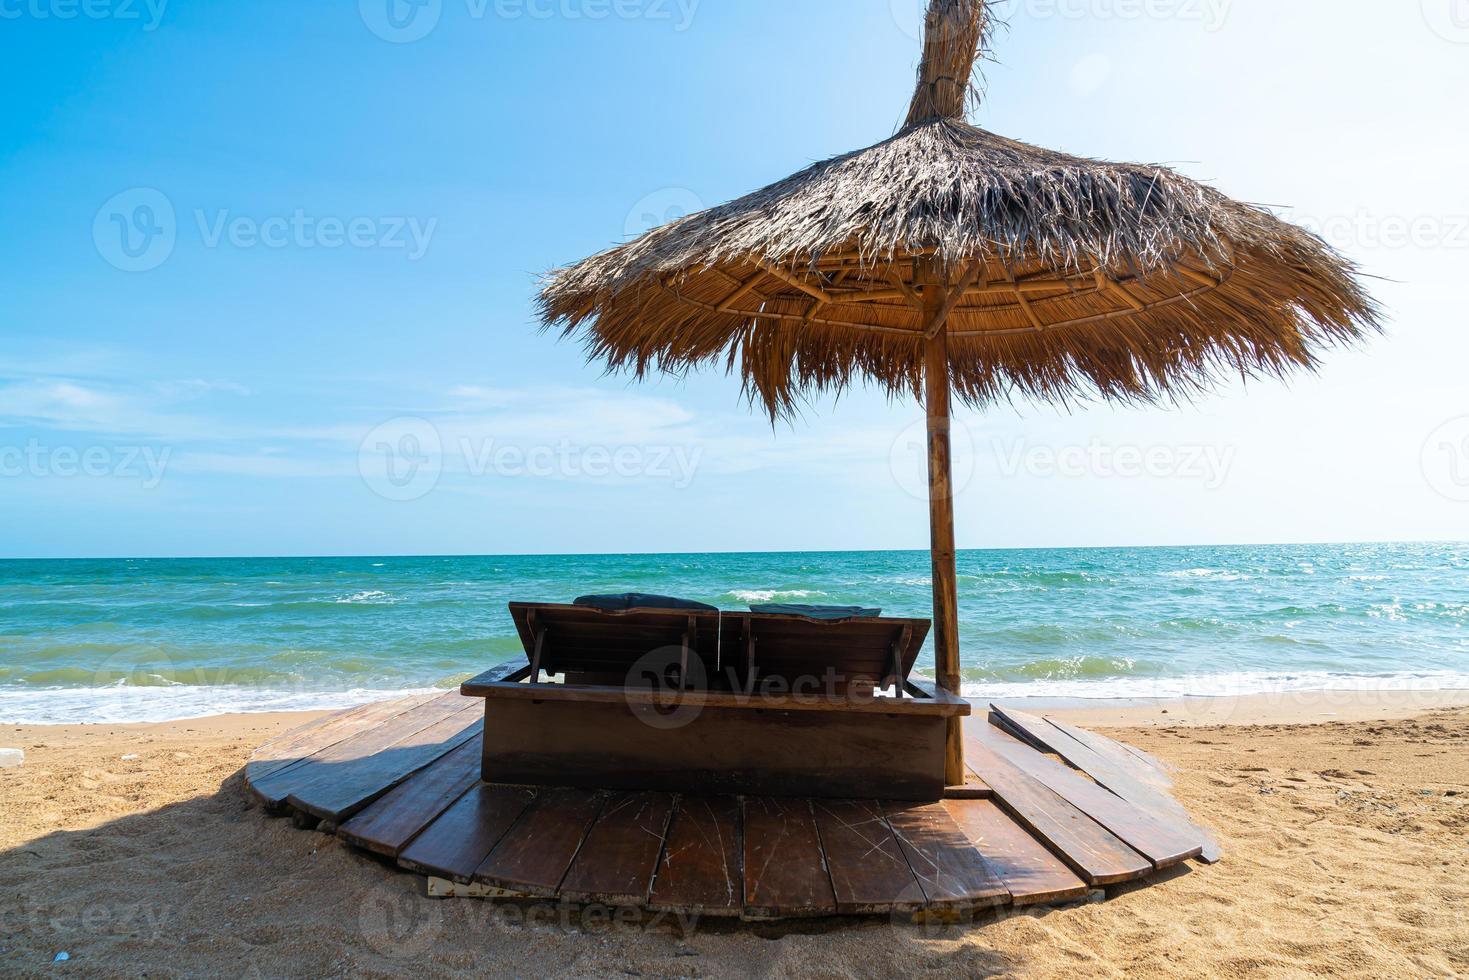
<point>949,259</point>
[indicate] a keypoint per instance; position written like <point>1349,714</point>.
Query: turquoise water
<point>150,639</point>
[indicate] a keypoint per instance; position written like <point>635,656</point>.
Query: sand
<point>1346,840</point>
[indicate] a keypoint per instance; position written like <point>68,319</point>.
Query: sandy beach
<point>132,849</point>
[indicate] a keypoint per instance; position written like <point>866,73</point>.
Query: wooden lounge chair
<point>715,702</point>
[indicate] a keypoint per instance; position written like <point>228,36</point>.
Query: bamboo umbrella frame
<point>947,261</point>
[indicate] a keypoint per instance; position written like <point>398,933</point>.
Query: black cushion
<point>814,612</point>
<point>640,600</point>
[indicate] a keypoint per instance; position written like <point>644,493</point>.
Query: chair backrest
<point>731,649</point>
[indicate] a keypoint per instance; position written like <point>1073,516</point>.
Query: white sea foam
<point>371,597</point>
<point>121,703</point>
<point>770,595</point>
<point>1221,685</point>
<point>1213,574</point>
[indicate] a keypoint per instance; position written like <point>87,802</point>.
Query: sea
<point>149,639</point>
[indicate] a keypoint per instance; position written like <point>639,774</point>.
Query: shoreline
<point>1281,708</point>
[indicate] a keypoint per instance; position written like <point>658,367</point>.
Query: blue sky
<point>268,272</point>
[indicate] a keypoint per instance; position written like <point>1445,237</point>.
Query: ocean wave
<point>372,597</point>
<point>1212,574</point>
<point>771,595</point>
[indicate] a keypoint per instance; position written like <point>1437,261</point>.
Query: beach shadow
<point>213,883</point>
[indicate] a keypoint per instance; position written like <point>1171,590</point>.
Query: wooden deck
<point>1050,813</point>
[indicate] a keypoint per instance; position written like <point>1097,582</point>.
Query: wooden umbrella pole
<point>941,520</point>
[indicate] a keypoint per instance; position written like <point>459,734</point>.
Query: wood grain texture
<point>458,842</point>
<point>950,870</point>
<point>1088,848</point>
<point>389,824</point>
<point>1114,767</point>
<point>810,698</point>
<point>784,867</point>
<point>869,872</point>
<point>358,748</point>
<point>337,793</point>
<point>536,852</point>
<point>715,751</point>
<point>618,859</point>
<point>699,871</point>
<point>1159,842</point>
<point>941,516</point>
<point>1031,874</point>
<point>299,744</point>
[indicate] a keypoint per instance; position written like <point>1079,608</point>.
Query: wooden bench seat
<point>712,702</point>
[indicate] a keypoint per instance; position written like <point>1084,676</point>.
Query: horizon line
<point>788,551</point>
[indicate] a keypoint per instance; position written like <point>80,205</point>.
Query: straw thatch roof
<point>1054,275</point>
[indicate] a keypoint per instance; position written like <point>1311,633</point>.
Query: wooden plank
<point>275,787</point>
<point>764,700</point>
<point>974,788</point>
<point>1134,761</point>
<point>1159,842</point>
<point>456,844</point>
<point>300,743</point>
<point>699,872</point>
<point>869,872</point>
<point>715,751</point>
<point>784,868</point>
<point>536,852</point>
<point>1088,848</point>
<point>1106,757</point>
<point>1032,874</point>
<point>951,871</point>
<point>617,861</point>
<point>388,825</point>
<point>1113,769</point>
<point>506,673</point>
<point>338,792</point>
